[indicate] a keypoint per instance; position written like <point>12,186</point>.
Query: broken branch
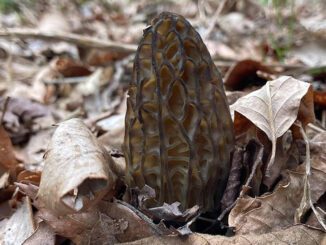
<point>79,40</point>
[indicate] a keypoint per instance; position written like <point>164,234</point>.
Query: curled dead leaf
<point>76,171</point>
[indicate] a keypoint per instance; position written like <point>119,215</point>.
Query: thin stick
<point>215,18</point>
<point>316,128</point>
<point>307,194</point>
<point>79,40</point>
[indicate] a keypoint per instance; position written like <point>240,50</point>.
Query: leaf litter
<point>276,188</point>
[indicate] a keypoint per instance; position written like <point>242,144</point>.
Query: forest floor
<point>62,60</point>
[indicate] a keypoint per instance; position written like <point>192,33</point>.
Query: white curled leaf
<point>76,170</point>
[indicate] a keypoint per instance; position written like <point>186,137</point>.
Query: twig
<point>230,62</point>
<point>66,80</point>
<point>79,40</point>
<point>258,160</point>
<point>316,128</point>
<point>215,18</point>
<point>91,121</point>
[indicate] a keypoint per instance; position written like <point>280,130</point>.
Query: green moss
<point>7,6</point>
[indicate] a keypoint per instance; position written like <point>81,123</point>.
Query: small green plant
<point>7,6</point>
<point>281,46</point>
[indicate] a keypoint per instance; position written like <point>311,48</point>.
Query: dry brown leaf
<point>320,98</point>
<point>76,171</point>
<point>244,74</point>
<point>270,212</point>
<point>274,108</point>
<point>26,176</point>
<point>96,57</point>
<point>7,158</point>
<point>137,227</point>
<point>6,210</point>
<point>70,68</point>
<point>20,117</point>
<point>292,235</point>
<point>21,224</point>
<point>111,221</point>
<point>275,211</point>
<point>105,229</point>
<point>74,226</point>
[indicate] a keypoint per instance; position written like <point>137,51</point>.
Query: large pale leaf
<point>292,235</point>
<point>76,170</point>
<point>275,107</point>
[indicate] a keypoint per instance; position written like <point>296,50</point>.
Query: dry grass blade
<point>306,201</point>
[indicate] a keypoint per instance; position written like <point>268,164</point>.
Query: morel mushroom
<point>179,132</point>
